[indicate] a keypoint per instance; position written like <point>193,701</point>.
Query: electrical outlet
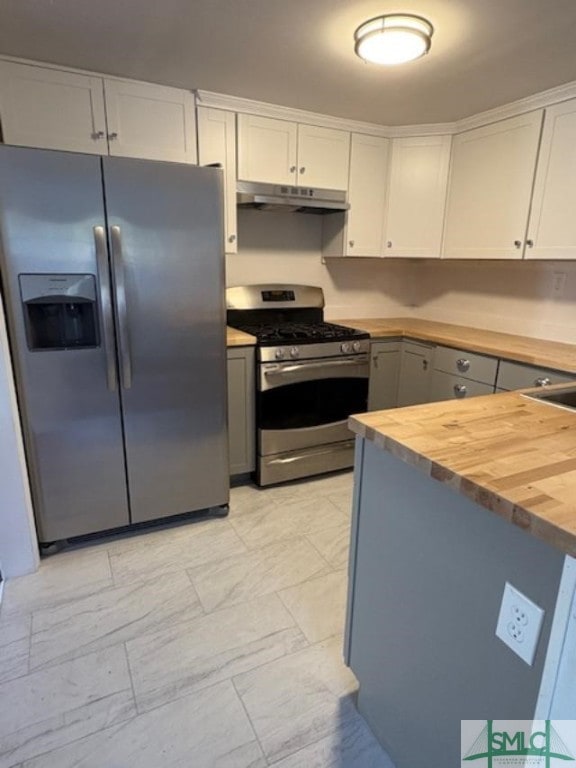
<point>558,284</point>
<point>519,623</point>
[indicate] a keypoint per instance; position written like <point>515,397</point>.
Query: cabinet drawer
<point>466,364</point>
<point>518,376</point>
<point>446,386</point>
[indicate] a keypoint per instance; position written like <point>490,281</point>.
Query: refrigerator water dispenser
<point>59,311</point>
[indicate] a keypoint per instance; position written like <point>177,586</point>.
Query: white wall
<point>286,247</point>
<point>502,296</point>
<point>18,547</point>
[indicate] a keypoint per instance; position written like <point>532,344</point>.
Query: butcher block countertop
<point>236,338</point>
<point>547,354</point>
<point>512,455</point>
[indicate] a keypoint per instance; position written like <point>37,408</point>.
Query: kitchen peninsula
<point>453,500</point>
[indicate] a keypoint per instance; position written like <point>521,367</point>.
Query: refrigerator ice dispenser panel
<point>59,311</point>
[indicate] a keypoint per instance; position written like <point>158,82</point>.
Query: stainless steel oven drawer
<point>279,440</point>
<point>303,463</point>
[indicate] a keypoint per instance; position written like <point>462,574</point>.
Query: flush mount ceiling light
<point>393,38</point>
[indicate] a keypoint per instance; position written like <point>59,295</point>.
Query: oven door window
<point>312,403</point>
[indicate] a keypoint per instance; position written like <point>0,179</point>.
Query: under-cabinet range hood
<point>283,197</point>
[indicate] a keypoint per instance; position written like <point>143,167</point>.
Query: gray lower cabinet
<point>427,571</point>
<point>241,410</point>
<point>446,386</point>
<point>459,374</point>
<point>518,376</point>
<point>415,369</point>
<point>384,374</point>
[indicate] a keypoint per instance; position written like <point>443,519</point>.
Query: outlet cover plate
<point>519,623</point>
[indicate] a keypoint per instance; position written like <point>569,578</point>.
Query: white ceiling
<point>299,53</point>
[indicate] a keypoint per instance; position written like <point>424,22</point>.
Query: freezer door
<point>166,237</point>
<point>55,278</point>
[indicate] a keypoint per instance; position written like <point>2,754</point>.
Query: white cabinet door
<point>267,150</point>
<point>384,373</point>
<point>50,109</point>
<point>417,196</point>
<point>490,188</point>
<point>153,122</point>
<point>367,195</point>
<point>217,144</point>
<point>323,157</point>
<point>552,228</point>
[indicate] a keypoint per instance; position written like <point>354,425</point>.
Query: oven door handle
<point>279,370</point>
<point>272,376</point>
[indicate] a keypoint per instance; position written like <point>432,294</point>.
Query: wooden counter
<point>547,354</point>
<point>512,455</point>
<point>236,338</point>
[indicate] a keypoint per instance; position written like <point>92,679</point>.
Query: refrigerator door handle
<point>121,307</point>
<point>106,305</point>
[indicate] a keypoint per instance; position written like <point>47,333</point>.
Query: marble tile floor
<point>212,644</point>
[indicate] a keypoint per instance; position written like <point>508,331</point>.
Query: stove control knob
<point>345,347</point>
<point>294,352</point>
<point>280,354</point>
<point>356,346</point>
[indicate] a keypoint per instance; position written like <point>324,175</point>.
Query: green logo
<point>493,744</point>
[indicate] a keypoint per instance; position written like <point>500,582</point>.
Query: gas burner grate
<point>300,332</point>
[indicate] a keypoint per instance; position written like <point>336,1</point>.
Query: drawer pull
<point>460,390</point>
<point>463,364</point>
<point>542,381</point>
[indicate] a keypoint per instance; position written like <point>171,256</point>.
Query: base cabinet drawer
<point>518,376</point>
<point>445,386</point>
<point>241,410</point>
<point>467,364</point>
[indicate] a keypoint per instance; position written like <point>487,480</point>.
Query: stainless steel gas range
<point>311,375</point>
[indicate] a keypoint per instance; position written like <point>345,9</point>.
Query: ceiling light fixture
<point>393,38</point>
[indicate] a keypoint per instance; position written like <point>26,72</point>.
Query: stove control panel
<point>310,351</point>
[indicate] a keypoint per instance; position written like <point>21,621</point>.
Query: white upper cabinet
<point>53,109</point>
<point>367,196</point>
<point>217,145</point>
<point>267,150</point>
<point>282,152</point>
<point>323,157</point>
<point>50,109</point>
<point>552,228</point>
<point>490,189</point>
<point>150,121</point>
<point>417,196</point>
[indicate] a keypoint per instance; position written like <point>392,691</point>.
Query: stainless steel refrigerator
<point>113,278</point>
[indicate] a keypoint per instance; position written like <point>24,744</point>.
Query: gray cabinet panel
<point>415,368</point>
<point>445,386</point>
<point>518,376</point>
<point>429,568</point>
<point>241,417</point>
<point>467,364</point>
<point>384,375</point>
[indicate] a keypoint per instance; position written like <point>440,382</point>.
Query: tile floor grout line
<point>241,700</point>
<point>136,708</point>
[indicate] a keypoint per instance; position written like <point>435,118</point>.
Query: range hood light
<point>393,39</point>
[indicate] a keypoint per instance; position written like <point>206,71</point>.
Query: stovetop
<point>272,334</point>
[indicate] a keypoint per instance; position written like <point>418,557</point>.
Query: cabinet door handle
<point>424,365</point>
<point>112,136</point>
<point>462,364</point>
<point>460,390</point>
<point>232,239</point>
<point>530,243</point>
<point>303,169</point>
<point>542,381</point>
<point>98,135</point>
<point>375,360</point>
<point>292,169</point>
<point>389,244</point>
<point>351,243</point>
<point>517,243</point>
